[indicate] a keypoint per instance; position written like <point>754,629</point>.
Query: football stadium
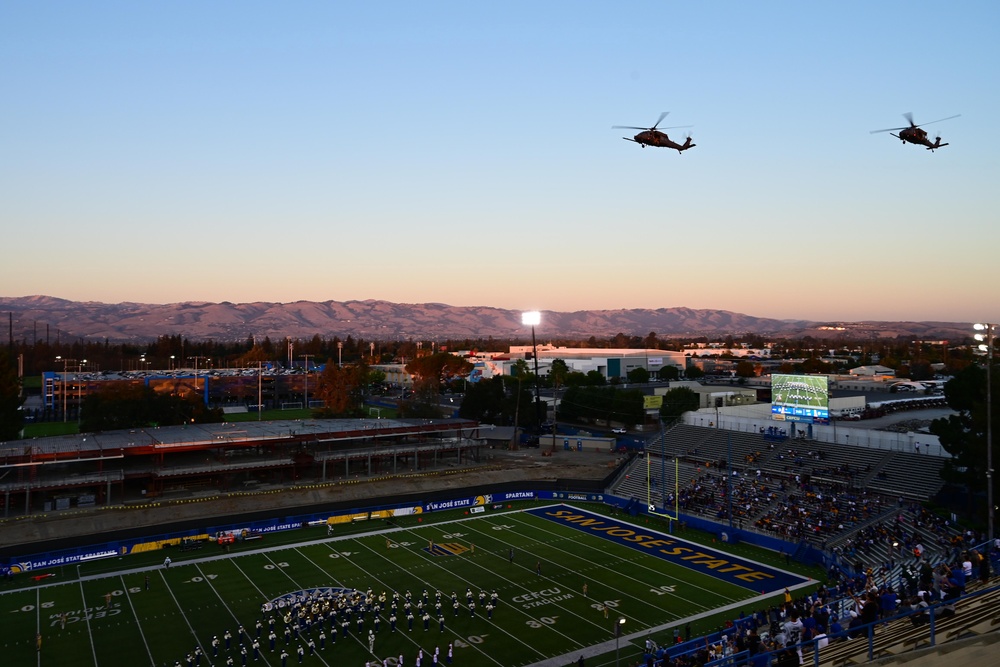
<point>705,546</point>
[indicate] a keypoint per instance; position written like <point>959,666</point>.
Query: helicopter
<point>914,134</point>
<point>650,136</point>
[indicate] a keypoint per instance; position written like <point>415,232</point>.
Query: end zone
<point>734,570</point>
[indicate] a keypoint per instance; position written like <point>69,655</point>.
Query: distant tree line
<point>909,358</point>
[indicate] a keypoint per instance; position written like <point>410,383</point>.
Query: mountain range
<point>34,317</point>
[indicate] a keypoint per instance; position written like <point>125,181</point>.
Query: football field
<point>563,578</point>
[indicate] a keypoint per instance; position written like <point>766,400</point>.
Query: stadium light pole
<point>531,318</point>
<point>79,391</point>
<point>307,357</point>
<point>340,354</point>
<point>260,388</point>
<point>619,626</point>
<point>65,370</point>
<point>196,373</point>
<point>986,345</point>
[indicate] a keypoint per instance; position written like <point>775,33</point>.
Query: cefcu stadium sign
<point>737,571</point>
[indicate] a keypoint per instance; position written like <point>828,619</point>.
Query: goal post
<point>662,509</point>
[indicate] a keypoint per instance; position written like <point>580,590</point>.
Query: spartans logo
<point>483,500</point>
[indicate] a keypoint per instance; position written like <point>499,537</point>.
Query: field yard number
<point>502,526</point>
<point>473,639</point>
<point>198,580</point>
<point>452,536</point>
<point>345,554</point>
<point>31,607</point>
<point>542,622</point>
<point>610,604</point>
<point>662,590</point>
<point>393,545</point>
<point>271,566</point>
<point>86,615</point>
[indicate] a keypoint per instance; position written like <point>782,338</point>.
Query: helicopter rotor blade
<point>909,118</point>
<point>632,127</point>
<point>890,129</point>
<point>660,119</point>
<point>938,121</point>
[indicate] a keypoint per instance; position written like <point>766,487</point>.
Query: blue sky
<point>462,153</point>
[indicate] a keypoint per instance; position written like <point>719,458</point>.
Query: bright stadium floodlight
<point>986,345</point>
<point>531,318</point>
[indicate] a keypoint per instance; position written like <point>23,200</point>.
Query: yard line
<point>354,634</point>
<point>38,620</point>
<point>282,570</point>
<point>253,583</point>
<point>678,579</point>
<point>86,617</point>
<point>469,584</point>
<point>181,610</point>
<point>495,573</point>
<point>448,626</point>
<point>617,573</point>
<point>214,590</point>
<point>138,624</point>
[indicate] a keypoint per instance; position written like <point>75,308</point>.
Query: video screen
<point>800,398</point>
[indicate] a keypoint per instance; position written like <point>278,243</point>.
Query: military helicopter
<point>650,136</point>
<point>914,134</point>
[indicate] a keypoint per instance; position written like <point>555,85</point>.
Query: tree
<point>745,369</point>
<point>433,370</point>
<point>487,401</point>
<point>676,402</point>
<point>340,388</point>
<point>121,405</point>
<point>638,375</point>
<point>558,373</point>
<point>963,435</point>
<point>484,401</point>
<point>693,372</point>
<point>602,405</point>
<point>669,372</point>
<point>11,418</point>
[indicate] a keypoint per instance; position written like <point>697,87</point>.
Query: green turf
<point>46,429</point>
<point>208,591</point>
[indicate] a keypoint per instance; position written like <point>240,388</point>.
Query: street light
<point>340,354</point>
<point>986,345</point>
<point>619,627</point>
<point>531,318</point>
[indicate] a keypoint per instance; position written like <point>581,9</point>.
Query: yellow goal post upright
<point>651,507</point>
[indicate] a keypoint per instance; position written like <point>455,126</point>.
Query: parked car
<point>619,430</point>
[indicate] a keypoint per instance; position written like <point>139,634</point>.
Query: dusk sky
<point>462,153</point>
